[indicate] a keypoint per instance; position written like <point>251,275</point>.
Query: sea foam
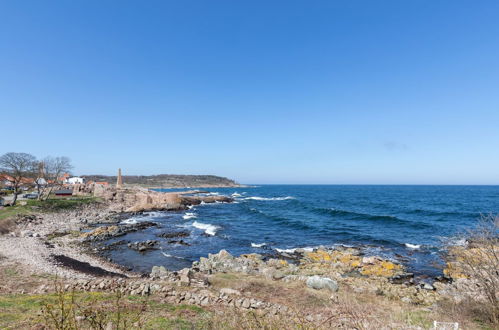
<point>412,246</point>
<point>256,198</point>
<point>258,245</point>
<point>208,228</point>
<point>293,250</point>
<point>189,215</point>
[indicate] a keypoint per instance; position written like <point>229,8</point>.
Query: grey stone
<point>229,291</point>
<point>317,282</point>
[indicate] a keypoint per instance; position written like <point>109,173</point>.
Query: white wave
<point>189,215</point>
<point>412,246</point>
<point>452,241</point>
<point>190,207</point>
<point>236,195</point>
<point>258,245</point>
<point>170,256</point>
<point>293,250</point>
<point>212,194</point>
<point>130,221</point>
<point>208,228</point>
<point>256,198</point>
<point>154,214</point>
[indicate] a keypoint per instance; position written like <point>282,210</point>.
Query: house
<point>63,192</point>
<point>6,180</point>
<point>103,183</point>
<point>74,180</point>
<point>41,182</point>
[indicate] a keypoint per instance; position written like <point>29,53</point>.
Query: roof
<point>6,177</point>
<point>63,191</point>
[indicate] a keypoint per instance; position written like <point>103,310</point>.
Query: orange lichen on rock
<point>318,256</point>
<point>381,269</point>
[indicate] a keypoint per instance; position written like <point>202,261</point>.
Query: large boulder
<point>318,283</point>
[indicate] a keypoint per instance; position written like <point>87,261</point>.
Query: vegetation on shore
<point>168,180</point>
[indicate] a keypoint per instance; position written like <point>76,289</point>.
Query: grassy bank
<point>96,309</point>
<point>25,207</point>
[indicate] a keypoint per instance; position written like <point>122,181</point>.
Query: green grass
<point>418,318</point>
<point>49,205</point>
<point>23,310</point>
<point>10,211</point>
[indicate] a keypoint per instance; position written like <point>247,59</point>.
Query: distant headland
<point>168,180</point>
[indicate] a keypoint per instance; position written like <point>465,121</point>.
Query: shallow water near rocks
<point>409,224</point>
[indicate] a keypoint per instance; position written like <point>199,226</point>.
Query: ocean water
<point>409,224</point>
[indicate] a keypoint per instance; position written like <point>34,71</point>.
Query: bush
<point>478,264</point>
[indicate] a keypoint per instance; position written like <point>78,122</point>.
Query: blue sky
<point>393,92</point>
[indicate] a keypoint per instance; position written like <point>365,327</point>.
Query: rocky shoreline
<point>64,244</point>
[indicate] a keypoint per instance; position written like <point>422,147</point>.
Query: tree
<point>19,166</point>
<point>53,170</point>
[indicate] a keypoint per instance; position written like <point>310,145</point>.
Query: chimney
<point>119,180</point>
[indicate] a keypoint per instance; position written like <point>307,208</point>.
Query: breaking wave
<point>189,215</point>
<point>412,246</point>
<point>258,245</point>
<point>256,198</point>
<point>208,228</point>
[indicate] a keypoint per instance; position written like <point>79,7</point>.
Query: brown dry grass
<point>7,225</point>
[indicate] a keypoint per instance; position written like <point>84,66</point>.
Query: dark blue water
<point>406,223</point>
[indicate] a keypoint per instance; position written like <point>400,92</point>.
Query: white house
<point>74,180</point>
<point>41,182</point>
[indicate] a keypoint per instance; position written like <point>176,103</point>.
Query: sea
<point>411,225</point>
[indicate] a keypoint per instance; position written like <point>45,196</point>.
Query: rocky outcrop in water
<point>144,246</point>
<point>107,232</point>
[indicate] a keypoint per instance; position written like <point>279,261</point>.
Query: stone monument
<point>119,180</point>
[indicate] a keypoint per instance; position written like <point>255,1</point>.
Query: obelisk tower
<point>119,180</point>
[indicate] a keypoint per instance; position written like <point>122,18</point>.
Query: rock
<point>26,233</point>
<point>404,278</point>
<point>246,303</point>
<point>143,246</point>
<point>426,286</point>
<point>160,272</point>
<point>317,282</point>
<point>229,291</point>
<point>277,275</point>
<point>174,234</point>
<point>185,276</point>
<point>406,300</point>
<point>369,260</point>
<point>181,242</point>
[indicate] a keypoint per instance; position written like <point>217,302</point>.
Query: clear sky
<point>260,91</point>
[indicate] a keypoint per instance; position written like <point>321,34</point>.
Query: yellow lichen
<point>318,256</point>
<point>383,269</point>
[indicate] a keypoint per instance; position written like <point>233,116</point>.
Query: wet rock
<point>143,246</point>
<point>181,242</point>
<point>107,232</point>
<point>317,282</point>
<point>177,234</point>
